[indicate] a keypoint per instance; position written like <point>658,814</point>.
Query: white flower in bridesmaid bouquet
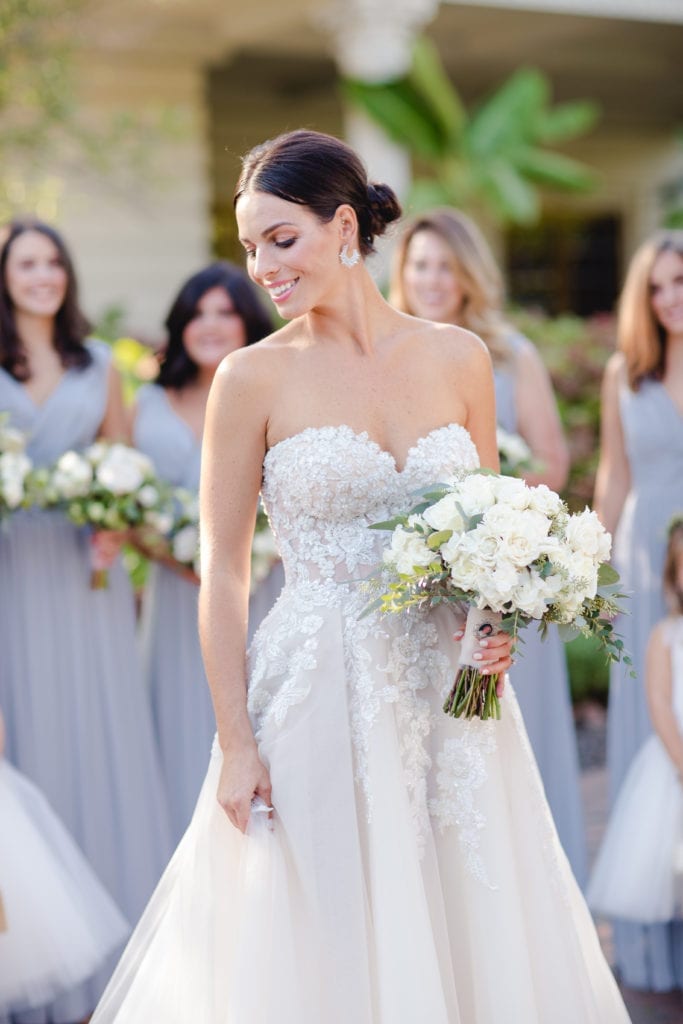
<point>123,470</point>
<point>14,469</point>
<point>72,476</point>
<point>185,544</point>
<point>148,496</point>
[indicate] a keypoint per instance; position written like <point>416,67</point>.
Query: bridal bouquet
<point>108,487</point>
<point>514,453</point>
<point>15,468</point>
<point>512,553</point>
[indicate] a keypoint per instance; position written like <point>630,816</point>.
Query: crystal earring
<point>347,260</point>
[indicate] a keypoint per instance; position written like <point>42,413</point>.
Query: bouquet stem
<point>99,579</point>
<point>473,694</point>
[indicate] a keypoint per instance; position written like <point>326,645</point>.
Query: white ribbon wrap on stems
<point>481,623</point>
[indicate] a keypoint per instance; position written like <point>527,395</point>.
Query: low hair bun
<point>383,207</point>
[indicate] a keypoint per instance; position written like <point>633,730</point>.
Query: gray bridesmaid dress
<point>541,683</point>
<point>646,956</point>
<point>71,688</point>
<point>181,701</point>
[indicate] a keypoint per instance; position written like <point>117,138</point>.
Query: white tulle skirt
<point>638,874</point>
<point>60,923</point>
<point>412,872</point>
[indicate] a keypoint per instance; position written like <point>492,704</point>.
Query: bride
<point>355,856</point>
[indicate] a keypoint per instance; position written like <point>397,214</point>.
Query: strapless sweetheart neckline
<point>364,437</point>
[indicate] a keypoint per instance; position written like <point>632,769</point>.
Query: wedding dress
<point>412,871</point>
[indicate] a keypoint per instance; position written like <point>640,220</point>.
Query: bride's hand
<point>494,655</point>
<point>243,777</point>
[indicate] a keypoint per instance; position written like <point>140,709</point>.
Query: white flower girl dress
<point>638,874</point>
<point>58,924</point>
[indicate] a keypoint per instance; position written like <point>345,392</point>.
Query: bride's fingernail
<point>478,656</point>
<point>483,643</point>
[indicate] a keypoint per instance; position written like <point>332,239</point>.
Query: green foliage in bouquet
<point>497,156</point>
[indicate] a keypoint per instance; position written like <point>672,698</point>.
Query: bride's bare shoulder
<point>255,367</point>
<point>449,346</point>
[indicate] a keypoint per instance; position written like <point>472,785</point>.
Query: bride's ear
<point>347,225</point>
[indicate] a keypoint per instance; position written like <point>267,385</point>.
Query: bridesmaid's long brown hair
<point>71,328</point>
<point>640,336</point>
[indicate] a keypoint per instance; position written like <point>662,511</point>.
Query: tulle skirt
<point>411,871</point>
<point>60,923</point>
<point>638,874</point>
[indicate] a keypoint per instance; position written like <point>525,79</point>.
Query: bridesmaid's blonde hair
<point>640,336</point>
<point>481,280</point>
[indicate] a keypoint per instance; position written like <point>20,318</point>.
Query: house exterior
<point>236,73</point>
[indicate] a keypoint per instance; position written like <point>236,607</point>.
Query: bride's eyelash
<point>286,243</point>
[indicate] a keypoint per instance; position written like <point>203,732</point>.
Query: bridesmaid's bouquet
<point>264,552</point>
<point>183,539</point>
<point>514,453</point>
<point>108,487</point>
<point>15,468</point>
<point>512,553</point>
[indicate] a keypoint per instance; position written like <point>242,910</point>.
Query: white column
<point>373,42</point>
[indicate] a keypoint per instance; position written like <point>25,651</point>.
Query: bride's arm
<point>232,460</point>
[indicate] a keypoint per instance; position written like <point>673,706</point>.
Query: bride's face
<point>290,253</point>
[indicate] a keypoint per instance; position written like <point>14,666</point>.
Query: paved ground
<point>644,1007</point>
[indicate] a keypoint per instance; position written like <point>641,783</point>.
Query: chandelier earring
<point>349,259</point>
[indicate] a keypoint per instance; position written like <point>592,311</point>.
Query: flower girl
<point>57,923</point>
<point>638,874</point>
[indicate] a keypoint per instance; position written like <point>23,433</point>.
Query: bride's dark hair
<point>323,173</point>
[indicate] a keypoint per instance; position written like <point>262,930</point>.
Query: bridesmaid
<point>216,311</point>
<point>444,270</point>
<point>639,487</point>
<point>71,684</point>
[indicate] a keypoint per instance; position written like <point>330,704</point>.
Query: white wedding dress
<point>412,872</point>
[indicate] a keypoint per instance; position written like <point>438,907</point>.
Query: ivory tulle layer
<point>61,924</point>
<point>412,872</point>
<point>638,874</point>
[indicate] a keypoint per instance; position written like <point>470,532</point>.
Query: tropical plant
<point>497,155</point>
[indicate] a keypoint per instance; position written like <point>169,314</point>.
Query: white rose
<point>513,447</point>
<point>12,440</point>
<point>510,491</point>
<point>148,496</point>
<point>585,533</point>
<point>123,470</point>
<point>96,511</point>
<point>162,522</point>
<point>497,586</point>
<point>529,595</point>
<point>444,515</point>
<point>476,493</point>
<point>96,452</point>
<point>522,533</point>
<point>407,551</point>
<point>263,544</point>
<point>542,499</point>
<point>72,477</point>
<point>185,544</point>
